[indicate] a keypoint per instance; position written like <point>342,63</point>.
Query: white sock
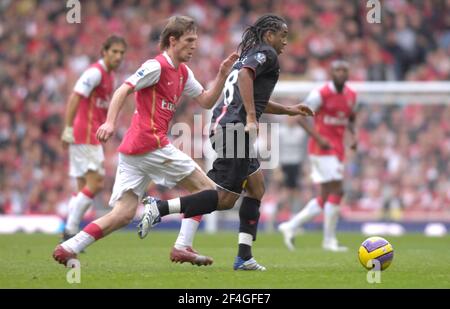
<point>78,206</point>
<point>331,212</point>
<point>246,239</point>
<point>79,242</point>
<point>188,229</point>
<point>311,210</point>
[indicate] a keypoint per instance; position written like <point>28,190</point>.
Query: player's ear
<point>172,40</point>
<point>269,35</point>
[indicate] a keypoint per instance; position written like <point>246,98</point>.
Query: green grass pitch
<point>124,261</point>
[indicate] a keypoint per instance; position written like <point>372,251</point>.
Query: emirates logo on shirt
<point>335,121</point>
<point>102,103</point>
<point>168,106</point>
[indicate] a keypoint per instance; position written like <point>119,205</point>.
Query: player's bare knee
<point>100,185</point>
<point>123,212</point>
<point>226,200</point>
<point>256,193</point>
<point>123,218</point>
<point>95,183</point>
<point>325,190</point>
<point>96,187</point>
<point>339,192</point>
<point>81,183</point>
<point>261,192</point>
<point>225,205</point>
<point>127,219</point>
<point>337,189</point>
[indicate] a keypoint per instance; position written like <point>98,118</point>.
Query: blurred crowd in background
<point>404,150</point>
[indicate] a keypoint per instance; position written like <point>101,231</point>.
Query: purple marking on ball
<point>386,257</point>
<point>374,245</point>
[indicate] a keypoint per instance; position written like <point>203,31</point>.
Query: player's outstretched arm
<point>71,110</point>
<point>209,97</point>
<point>106,130</point>
<point>292,110</point>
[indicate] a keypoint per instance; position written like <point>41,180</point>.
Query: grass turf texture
<point>124,261</point>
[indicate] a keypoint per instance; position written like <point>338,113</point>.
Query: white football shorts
<point>84,158</point>
<point>326,168</point>
<point>166,166</point>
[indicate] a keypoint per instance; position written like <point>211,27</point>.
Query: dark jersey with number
<point>263,61</point>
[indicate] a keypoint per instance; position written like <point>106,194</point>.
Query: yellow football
<point>376,253</point>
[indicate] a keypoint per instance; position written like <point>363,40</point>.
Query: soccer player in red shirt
<point>334,105</point>
<point>86,111</point>
<point>145,153</point>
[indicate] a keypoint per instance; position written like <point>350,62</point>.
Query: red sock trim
<point>94,230</point>
<point>197,218</point>
<point>87,192</point>
<point>320,201</point>
<point>334,199</point>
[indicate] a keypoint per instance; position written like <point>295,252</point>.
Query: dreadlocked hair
<point>253,35</point>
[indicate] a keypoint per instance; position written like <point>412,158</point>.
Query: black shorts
<point>291,173</point>
<point>230,170</point>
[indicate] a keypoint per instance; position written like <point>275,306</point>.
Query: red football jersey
<point>95,87</point>
<point>331,118</point>
<point>155,107</point>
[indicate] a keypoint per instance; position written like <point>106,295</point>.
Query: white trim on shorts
<point>166,166</point>
<point>225,189</point>
<point>326,168</point>
<point>259,168</point>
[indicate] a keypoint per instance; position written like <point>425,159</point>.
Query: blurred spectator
<point>292,141</point>
<point>403,147</point>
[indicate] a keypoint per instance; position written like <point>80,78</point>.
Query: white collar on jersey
<point>169,60</point>
<point>332,86</point>
<point>102,63</point>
